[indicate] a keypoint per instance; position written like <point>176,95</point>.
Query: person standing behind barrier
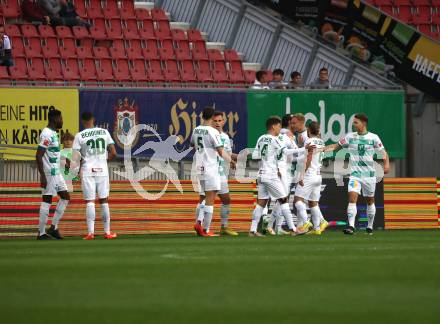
<point>277,80</point>
<point>322,82</point>
<point>5,49</point>
<point>295,80</point>
<point>260,81</point>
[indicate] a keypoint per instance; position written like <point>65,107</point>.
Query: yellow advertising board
<point>23,115</point>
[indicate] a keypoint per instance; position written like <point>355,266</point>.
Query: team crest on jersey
<point>126,117</point>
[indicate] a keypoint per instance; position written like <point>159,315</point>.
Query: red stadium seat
<point>33,48</point>
<point>188,77</point>
<point>105,71</point>
<point>166,54</point>
<point>36,69</point>
<point>158,14</point>
<point>50,48</point>
<point>121,70</point>
<point>171,65</point>
<point>203,65</point>
<point>117,53</point>
<point>53,70</point>
<point>115,29</point>
<point>194,35</point>
<point>67,49</point>
<point>130,33</point>
<point>94,12</point>
<point>397,2</point>
<point>146,33</point>
<point>171,76</point>
<point>155,75</point>
<point>110,9</point>
<point>154,65</point>
<point>80,32</point>
<point>17,47</point>
<point>142,14</point>
<point>182,54</point>
<point>63,32</point>
<point>150,54</point>
<point>101,52</point>
<point>405,14</point>
<point>71,70</point>
<point>249,76</point>
<point>46,31</point>
<point>178,35</point>
<point>12,31</point>
<point>19,70</point>
<point>87,70</point>
<point>419,3</point>
<point>11,9</point>
<point>28,30</point>
<point>134,53</point>
<point>215,55</point>
<point>236,77</point>
<point>4,74</point>
<point>231,55</point>
<point>198,54</point>
<point>127,10</point>
<point>204,76</point>
<point>220,76</point>
<point>236,66</point>
<point>187,66</point>
<point>387,9</point>
<point>80,8</point>
<point>84,52</point>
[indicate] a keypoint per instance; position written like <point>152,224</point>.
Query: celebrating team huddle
<point>289,154</point>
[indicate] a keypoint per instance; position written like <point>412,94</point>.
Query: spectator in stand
<point>261,80</point>
<point>277,80</point>
<point>295,80</point>
<point>32,12</point>
<point>5,49</point>
<point>322,81</point>
<point>62,13</point>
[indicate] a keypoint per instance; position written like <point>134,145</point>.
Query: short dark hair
<point>53,113</point>
<point>218,113</point>
<point>260,74</point>
<point>362,117</point>
<point>286,120</point>
<point>278,72</point>
<point>208,113</point>
<point>86,116</point>
<point>294,74</point>
<point>313,128</point>
<point>271,121</point>
<point>323,69</point>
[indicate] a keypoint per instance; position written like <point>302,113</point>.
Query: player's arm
<point>386,162</point>
<point>332,148</point>
<point>309,160</point>
<point>39,158</point>
<point>111,152</point>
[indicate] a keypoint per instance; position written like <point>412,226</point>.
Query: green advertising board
<point>335,111</point>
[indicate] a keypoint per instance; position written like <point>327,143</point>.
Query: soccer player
<point>298,123</point>
<point>52,182</point>
<point>69,169</point>
<point>95,146</point>
<point>285,160</point>
<point>309,188</point>
<point>362,145</point>
<point>207,142</point>
<point>269,183</point>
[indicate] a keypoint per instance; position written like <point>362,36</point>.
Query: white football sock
<point>224,214</point>
<point>256,215</point>
<point>302,213</point>
<point>279,222</point>
<point>199,206</point>
<point>265,210</point>
<point>316,216</point>
<point>285,210</point>
<point>351,213</point>
<point>105,213</point>
<point>274,214</point>
<point>44,214</point>
<point>208,211</point>
<point>371,213</point>
<point>59,211</point>
<point>200,211</point>
<point>90,215</point>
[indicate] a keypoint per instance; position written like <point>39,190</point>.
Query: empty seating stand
<point>124,46</point>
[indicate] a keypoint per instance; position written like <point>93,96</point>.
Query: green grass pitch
<point>392,277</point>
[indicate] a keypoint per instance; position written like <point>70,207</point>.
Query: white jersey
<point>269,150</point>
<point>301,138</point>
<point>316,163</point>
<point>51,159</point>
<point>206,140</point>
<point>362,149</point>
<point>285,160</point>
<point>227,146</point>
<point>92,143</point>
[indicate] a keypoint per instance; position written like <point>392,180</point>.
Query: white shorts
<point>366,185</point>
<point>209,183</point>
<point>311,191</point>
<point>274,189</point>
<point>93,184</point>
<point>55,184</point>
<point>224,187</point>
<point>286,178</point>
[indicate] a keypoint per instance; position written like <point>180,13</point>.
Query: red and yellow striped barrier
<point>411,203</point>
<point>131,214</point>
